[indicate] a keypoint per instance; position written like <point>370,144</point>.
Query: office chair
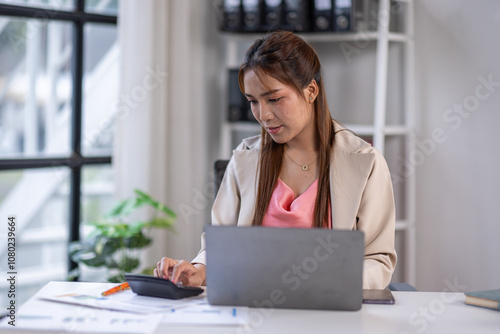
<point>219,169</point>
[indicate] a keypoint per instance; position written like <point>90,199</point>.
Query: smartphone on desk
<point>373,296</point>
<point>159,287</point>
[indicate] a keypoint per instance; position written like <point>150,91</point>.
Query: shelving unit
<point>378,130</point>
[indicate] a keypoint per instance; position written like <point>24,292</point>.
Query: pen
<point>121,287</point>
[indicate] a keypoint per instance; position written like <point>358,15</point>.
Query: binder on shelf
<point>238,108</point>
<point>251,15</point>
<point>296,15</point>
<point>231,15</point>
<point>343,13</point>
<point>272,15</point>
<point>293,15</point>
<point>322,15</point>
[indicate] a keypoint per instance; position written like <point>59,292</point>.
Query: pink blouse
<point>285,210</point>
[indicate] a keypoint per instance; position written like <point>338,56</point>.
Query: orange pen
<point>121,287</point>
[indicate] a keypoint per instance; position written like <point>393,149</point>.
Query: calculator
<point>159,287</point>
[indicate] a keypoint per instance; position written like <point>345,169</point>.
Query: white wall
<point>457,42</point>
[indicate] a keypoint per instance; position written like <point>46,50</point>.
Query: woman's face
<point>283,113</point>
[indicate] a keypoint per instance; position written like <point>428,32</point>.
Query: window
<point>58,85</point>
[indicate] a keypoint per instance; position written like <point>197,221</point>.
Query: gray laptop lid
<point>284,268</point>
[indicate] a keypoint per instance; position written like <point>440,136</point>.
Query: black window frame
<point>76,160</point>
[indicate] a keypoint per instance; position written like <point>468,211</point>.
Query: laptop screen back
<point>284,268</point>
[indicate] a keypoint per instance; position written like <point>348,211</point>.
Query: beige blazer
<point>361,199</point>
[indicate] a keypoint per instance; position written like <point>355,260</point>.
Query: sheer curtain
<point>160,139</point>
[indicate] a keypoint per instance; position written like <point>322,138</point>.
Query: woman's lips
<point>273,130</point>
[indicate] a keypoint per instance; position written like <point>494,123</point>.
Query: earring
<point>310,98</point>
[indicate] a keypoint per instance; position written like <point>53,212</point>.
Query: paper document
<point>80,320</point>
<point>125,301</point>
<point>205,314</point>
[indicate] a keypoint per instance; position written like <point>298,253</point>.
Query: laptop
<point>292,268</point>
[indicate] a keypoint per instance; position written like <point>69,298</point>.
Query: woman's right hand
<point>180,271</point>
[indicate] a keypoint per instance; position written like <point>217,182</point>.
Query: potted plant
<point>114,242</point>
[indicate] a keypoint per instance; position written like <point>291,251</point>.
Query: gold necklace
<point>303,167</point>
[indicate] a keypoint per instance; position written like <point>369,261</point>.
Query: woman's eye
<point>275,100</point>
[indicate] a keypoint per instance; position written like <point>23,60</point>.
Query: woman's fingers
<point>181,269</point>
<point>178,271</point>
<point>157,270</point>
<point>164,267</point>
<point>186,273</point>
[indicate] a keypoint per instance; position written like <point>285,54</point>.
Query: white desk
<point>414,312</point>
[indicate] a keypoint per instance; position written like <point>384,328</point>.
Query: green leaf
<point>121,209</point>
<point>142,195</point>
<point>161,222</point>
<point>116,230</point>
<point>74,248</point>
<point>138,240</point>
<point>102,229</point>
<point>73,274</point>
<point>128,264</point>
<point>99,245</point>
<point>166,210</point>
<point>136,228</point>
<point>108,246</point>
<point>111,263</point>
<point>155,204</point>
<point>80,251</point>
<point>91,259</point>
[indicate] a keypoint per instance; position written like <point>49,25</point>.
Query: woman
<point>304,170</point>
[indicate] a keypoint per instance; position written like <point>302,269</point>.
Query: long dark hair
<point>292,61</point>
